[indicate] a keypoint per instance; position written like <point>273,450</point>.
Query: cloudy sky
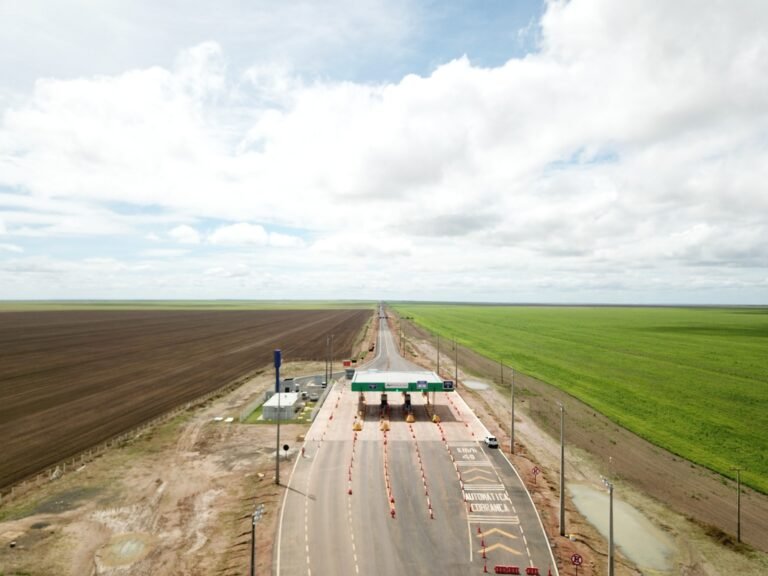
<point>516,151</point>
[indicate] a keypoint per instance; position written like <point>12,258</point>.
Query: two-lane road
<point>420,498</point>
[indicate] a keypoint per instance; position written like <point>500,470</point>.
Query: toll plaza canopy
<point>418,381</point>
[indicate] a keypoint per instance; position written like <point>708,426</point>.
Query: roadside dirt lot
<point>694,506</point>
<point>72,379</point>
<point>175,501</point>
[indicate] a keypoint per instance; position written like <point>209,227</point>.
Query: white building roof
<point>286,399</point>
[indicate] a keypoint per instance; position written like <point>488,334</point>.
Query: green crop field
<point>693,380</point>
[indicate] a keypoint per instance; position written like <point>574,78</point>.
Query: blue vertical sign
<point>278,361</point>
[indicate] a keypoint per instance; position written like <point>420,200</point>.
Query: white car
<point>491,442</point>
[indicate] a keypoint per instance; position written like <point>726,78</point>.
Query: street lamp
<point>562,469</point>
<point>257,514</point>
<point>609,485</point>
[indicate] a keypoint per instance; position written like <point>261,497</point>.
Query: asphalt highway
<point>420,498</point>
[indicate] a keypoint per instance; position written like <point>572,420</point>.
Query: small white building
<point>289,403</point>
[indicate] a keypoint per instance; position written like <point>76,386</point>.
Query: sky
<point>589,151</point>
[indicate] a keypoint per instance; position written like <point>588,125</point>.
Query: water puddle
<point>475,384</point>
<point>640,541</point>
<point>125,549</point>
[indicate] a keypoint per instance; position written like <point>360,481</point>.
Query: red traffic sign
<point>536,470</point>
<point>576,559</point>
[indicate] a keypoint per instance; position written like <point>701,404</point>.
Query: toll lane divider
<point>330,417</point>
<point>530,571</point>
<point>351,464</point>
<point>423,474</point>
<point>388,484</point>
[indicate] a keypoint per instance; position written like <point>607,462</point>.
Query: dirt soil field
<point>71,379</point>
<point>695,506</point>
<point>175,501</point>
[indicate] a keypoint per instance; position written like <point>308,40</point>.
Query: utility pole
<point>738,502</point>
<point>438,354</point>
<point>330,373</point>
<point>562,469</point>
<point>512,424</point>
<point>611,557</point>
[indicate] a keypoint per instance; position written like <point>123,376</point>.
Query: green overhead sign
<point>417,386</point>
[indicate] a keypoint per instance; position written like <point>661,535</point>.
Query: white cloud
<point>163,253</point>
<point>362,246</point>
<point>184,234</point>
<point>628,154</point>
<point>279,240</point>
<point>244,233</point>
<point>11,248</point>
<point>235,271</point>
<point>240,233</point>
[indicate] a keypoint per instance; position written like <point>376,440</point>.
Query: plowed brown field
<point>69,380</point>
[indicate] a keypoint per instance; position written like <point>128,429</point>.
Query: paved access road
<point>420,498</point>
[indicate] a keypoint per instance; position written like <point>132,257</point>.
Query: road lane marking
<point>474,479</point>
<point>485,520</point>
<point>503,546</point>
<point>488,496</point>
<point>469,530</point>
<point>501,507</point>
<point>492,487</point>
<point>502,532</point>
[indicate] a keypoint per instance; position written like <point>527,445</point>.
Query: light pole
<point>562,469</point>
<point>254,519</point>
<point>512,424</point>
<point>738,502</point>
<point>327,345</point>
<point>456,376</point>
<point>330,358</point>
<point>278,361</point>
<point>438,354</point>
<point>609,485</point>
